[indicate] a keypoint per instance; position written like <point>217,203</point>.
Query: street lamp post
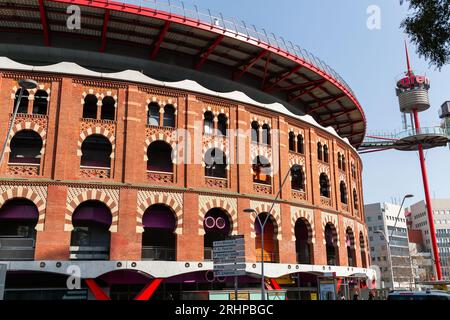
<point>390,235</point>
<point>295,168</point>
<point>23,84</point>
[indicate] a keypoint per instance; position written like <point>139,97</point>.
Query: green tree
<point>429,28</point>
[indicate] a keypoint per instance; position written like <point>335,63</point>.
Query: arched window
<point>266,134</point>
<point>153,114</point>
<point>90,107</point>
<point>23,105</point>
<point>355,199</point>
<point>350,244</point>
<point>339,160</point>
<point>303,242</point>
<point>18,219</point>
<point>324,183</point>
<point>363,250</point>
<point>159,241</point>
<point>331,244</point>
<point>108,108</point>
<point>262,170</point>
<point>325,153</point>
<point>353,171</point>
<point>255,132</point>
<point>222,124</point>
<point>40,102</point>
<point>343,192</point>
<point>343,163</point>
<point>291,141</point>
<point>319,151</point>
<point>270,250</point>
<point>159,154</point>
<point>218,227</point>
<point>297,178</point>
<point>26,146</point>
<point>300,144</point>
<point>96,152</point>
<point>215,163</point>
<point>208,122</point>
<point>169,116</point>
<point>90,237</point>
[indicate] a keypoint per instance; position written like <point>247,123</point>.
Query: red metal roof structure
<point>253,57</point>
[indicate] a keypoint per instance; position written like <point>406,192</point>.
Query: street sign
<point>226,243</point>
<point>228,260</point>
<point>228,273</point>
<point>229,248</point>
<point>233,266</point>
<point>229,254</point>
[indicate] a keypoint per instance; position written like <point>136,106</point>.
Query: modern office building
<point>441,213</point>
<point>386,219</point>
<point>149,134</point>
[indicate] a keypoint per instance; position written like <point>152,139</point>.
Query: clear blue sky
<point>370,61</point>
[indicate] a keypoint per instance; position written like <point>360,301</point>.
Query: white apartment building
<point>385,217</point>
<point>441,214</point>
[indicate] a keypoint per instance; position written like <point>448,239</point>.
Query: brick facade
<point>59,184</point>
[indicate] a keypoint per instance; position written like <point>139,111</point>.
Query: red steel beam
<point>250,64</point>
<point>308,91</point>
<point>324,104</point>
<point>204,56</point>
<point>299,86</point>
<point>282,78</point>
<point>96,290</point>
<point>266,70</point>
<point>105,30</point>
<point>340,114</point>
<point>44,23</point>
<point>149,290</point>
<point>160,40</point>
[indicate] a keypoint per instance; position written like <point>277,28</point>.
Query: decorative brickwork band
<point>76,196</point>
<point>307,216</point>
<point>36,194</point>
<point>171,199</point>
<point>264,207</point>
<point>228,205</point>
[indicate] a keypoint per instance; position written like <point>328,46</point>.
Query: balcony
<point>24,169</point>
<point>151,253</point>
<point>271,257</point>
<point>95,172</point>
<point>89,253</point>
<point>262,188</point>
<point>213,182</point>
<point>160,176</point>
<point>16,249</point>
<point>298,195</point>
<point>324,201</point>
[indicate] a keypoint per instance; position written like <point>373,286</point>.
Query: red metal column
<point>96,290</point>
<point>149,290</point>
<point>428,202</point>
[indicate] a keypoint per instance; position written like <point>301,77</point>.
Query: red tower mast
<point>417,83</point>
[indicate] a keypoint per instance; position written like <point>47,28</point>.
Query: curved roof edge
<point>70,68</point>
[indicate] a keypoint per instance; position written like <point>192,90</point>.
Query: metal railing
<point>153,253</point>
<point>16,248</point>
<point>396,135</point>
<point>239,28</point>
<point>89,253</point>
<point>268,256</point>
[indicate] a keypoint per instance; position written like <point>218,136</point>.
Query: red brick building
<point>131,178</point>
